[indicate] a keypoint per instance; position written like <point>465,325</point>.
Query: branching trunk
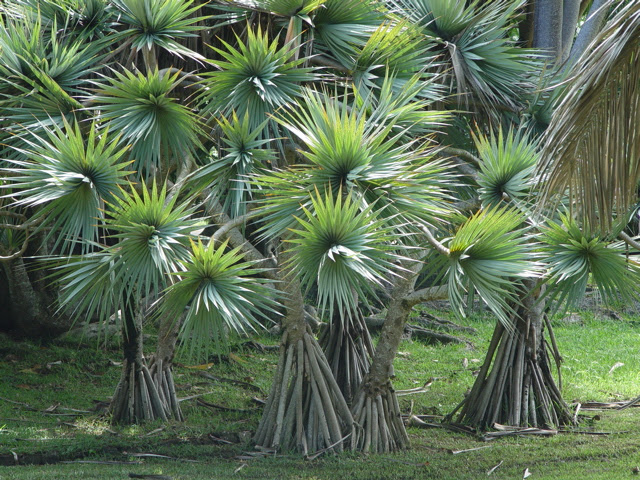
<point>305,410</point>
<point>375,408</point>
<point>136,398</point>
<point>518,387</point>
<point>348,348</point>
<point>589,30</point>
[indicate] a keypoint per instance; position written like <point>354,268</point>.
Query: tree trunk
<point>136,399</point>
<point>375,408</point>
<point>570,16</point>
<point>519,388</point>
<point>547,27</point>
<point>305,410</point>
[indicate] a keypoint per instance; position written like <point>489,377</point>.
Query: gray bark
<point>547,24</point>
<point>31,302</point>
<point>570,15</point>
<point>593,24</point>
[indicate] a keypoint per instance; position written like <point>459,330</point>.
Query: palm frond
<point>592,146</point>
<point>490,252</point>
<point>89,285</point>
<point>437,18</point>
<point>576,257</point>
<point>143,110</point>
<point>29,52</point>
<point>66,176</point>
<point>221,293</point>
<point>42,73</point>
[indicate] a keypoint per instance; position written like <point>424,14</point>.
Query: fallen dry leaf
<point>615,366</point>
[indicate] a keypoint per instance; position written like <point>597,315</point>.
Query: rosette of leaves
<point>490,253</point>
<point>66,176</point>
<point>578,256</point>
<point>85,19</point>
<point>485,65</point>
<point>506,166</point>
<point>398,51</point>
<point>243,154</point>
<point>362,149</point>
<point>257,77</point>
<point>144,111</point>
<point>160,23</point>
<point>342,249</point>
<point>221,293</point>
<point>42,73</point>
<point>149,239</point>
<point>343,27</point>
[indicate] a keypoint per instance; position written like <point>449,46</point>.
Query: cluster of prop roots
<point>305,410</point>
<point>348,347</point>
<point>145,394</point>
<point>378,419</point>
<point>520,389</point>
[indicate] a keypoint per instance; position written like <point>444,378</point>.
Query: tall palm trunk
<point>518,387</point>
<point>305,410</point>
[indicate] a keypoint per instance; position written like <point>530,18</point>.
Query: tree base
<point>305,411</point>
<point>144,395</point>
<point>520,389</point>
<point>379,421</point>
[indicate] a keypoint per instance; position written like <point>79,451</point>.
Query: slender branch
<point>223,231</point>
<point>463,154</point>
<point>323,61</point>
<point>24,225</point>
<point>465,161</point>
<point>427,294</point>
<point>237,239</point>
<point>434,242</point>
<point>189,79</point>
<point>629,240</point>
<point>17,254</point>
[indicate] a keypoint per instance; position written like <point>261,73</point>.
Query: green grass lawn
<point>43,386</point>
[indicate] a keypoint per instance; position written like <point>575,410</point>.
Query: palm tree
<point>308,145</point>
<point>518,387</point>
<point>118,245</point>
